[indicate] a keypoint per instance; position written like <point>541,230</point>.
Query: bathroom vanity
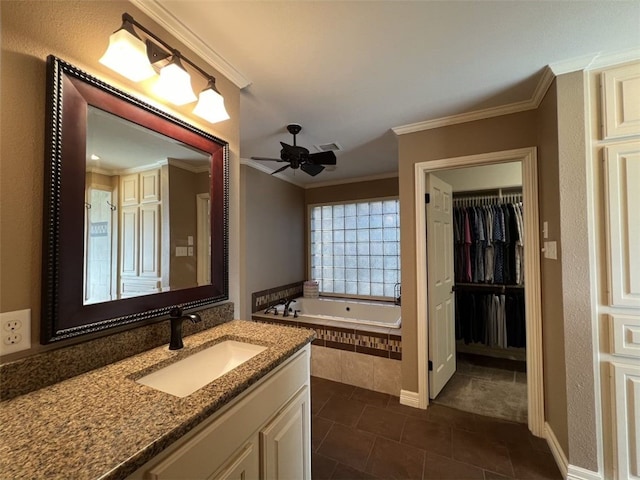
<point>251,422</point>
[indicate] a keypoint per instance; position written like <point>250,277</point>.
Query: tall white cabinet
<point>140,234</point>
<point>618,149</point>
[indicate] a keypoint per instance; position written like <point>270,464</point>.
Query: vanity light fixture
<point>129,56</point>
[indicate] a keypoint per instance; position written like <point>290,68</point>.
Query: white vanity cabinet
<point>263,434</point>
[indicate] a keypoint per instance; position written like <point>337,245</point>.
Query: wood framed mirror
<point>135,209</point>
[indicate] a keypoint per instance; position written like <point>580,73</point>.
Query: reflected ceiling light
<point>211,104</point>
<point>128,55</point>
<point>174,84</point>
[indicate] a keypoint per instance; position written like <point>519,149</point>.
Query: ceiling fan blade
<point>268,159</point>
<point>323,158</point>
<point>280,169</point>
<point>311,168</point>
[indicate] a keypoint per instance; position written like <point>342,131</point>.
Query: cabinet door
<point>626,401</point>
<point>150,186</point>
<point>285,444</point>
<point>244,465</point>
<point>622,172</point>
<point>150,240</point>
<point>621,101</point>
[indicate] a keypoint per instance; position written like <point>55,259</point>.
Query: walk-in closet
<point>490,324</point>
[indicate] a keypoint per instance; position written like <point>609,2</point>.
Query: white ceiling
<point>350,71</point>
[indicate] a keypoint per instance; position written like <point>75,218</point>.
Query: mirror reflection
<point>147,203</point>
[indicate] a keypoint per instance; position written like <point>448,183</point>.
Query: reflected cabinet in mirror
<point>135,209</point>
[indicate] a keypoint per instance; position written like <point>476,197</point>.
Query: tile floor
<point>487,386</point>
<point>361,434</point>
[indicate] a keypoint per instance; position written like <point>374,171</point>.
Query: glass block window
<point>355,248</point>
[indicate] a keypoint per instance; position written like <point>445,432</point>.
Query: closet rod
<point>487,288</point>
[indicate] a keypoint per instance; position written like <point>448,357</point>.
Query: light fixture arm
<point>155,54</point>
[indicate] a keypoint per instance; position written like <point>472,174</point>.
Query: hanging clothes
<point>488,243</point>
<point>494,320</point>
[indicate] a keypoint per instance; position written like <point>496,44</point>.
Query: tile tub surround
<point>47,368</point>
<point>102,424</point>
<point>360,370</point>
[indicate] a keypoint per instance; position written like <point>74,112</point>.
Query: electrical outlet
<point>15,332</point>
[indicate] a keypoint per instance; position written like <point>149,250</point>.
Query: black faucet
<point>285,313</point>
<point>177,316</point>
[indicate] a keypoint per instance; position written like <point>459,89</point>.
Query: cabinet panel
<point>245,466</point>
<point>621,101</point>
<point>625,335</point>
<point>622,171</point>
<point>626,400</point>
<point>150,240</point>
<point>150,186</point>
<point>284,447</point>
<point>129,189</point>
<point>129,241</point>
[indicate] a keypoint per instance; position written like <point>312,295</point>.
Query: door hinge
<point>430,365</point>
<point>427,198</point>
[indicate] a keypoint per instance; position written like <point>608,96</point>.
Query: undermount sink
<point>185,376</point>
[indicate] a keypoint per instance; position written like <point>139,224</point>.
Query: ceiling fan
<point>299,157</point>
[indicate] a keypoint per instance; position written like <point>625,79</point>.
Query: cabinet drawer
<point>625,335</point>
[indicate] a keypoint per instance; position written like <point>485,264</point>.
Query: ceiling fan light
<point>211,105</point>
<point>174,84</point>
<point>127,54</point>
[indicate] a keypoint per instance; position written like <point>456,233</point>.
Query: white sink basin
<point>184,377</point>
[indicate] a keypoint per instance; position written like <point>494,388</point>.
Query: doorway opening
<point>436,277</point>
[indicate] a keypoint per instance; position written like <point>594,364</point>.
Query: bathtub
<point>317,310</point>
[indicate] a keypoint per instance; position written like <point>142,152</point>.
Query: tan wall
<point>183,223</point>
<point>576,272</point>
<point>386,187</point>
<point>555,381</point>
<point>491,135</point>
<point>78,32</point>
<point>274,215</point>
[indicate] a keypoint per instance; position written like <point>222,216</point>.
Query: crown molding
<point>538,94</point>
<point>595,61</point>
<point>368,178</point>
<point>175,27</point>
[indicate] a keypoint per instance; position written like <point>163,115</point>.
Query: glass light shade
<point>211,106</point>
<point>174,84</point>
<point>127,55</point>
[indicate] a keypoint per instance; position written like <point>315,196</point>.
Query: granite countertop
<point>102,424</point>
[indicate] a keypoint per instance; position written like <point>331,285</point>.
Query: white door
<point>440,276</point>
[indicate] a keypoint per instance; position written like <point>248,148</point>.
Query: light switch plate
<point>181,251</point>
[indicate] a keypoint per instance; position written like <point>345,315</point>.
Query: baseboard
<point>409,399</point>
<point>556,450</point>
<point>579,473</point>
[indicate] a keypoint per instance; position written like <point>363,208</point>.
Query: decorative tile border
<point>358,340</point>
<point>266,298</point>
